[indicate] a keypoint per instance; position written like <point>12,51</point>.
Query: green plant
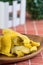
<point>35,8</point>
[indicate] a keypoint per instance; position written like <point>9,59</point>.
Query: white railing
<point>5,8</point>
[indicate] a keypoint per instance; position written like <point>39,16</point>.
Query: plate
<point>36,38</point>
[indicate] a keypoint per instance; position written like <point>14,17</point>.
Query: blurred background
<point>34,8</point>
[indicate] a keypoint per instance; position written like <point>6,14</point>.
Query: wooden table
<point>31,27</point>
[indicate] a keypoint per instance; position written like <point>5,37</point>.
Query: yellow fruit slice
<point>6,44</point>
<point>25,50</point>
<point>33,49</point>
<point>21,48</point>
<point>0,41</point>
<point>25,38</point>
<point>12,33</point>
<point>35,43</point>
<point>28,45</point>
<point>19,53</point>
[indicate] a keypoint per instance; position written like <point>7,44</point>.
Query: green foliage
<point>35,8</point>
<point>10,1</point>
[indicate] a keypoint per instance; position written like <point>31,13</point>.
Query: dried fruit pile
<point>15,44</point>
